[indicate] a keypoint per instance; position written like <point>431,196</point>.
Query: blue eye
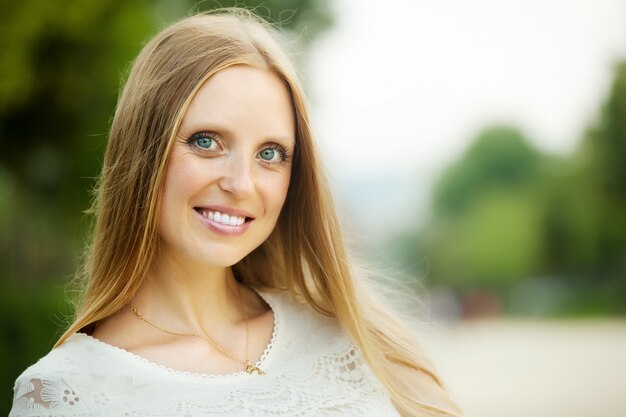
<point>203,141</point>
<point>268,154</point>
<point>275,154</point>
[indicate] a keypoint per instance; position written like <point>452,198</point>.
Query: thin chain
<point>215,345</point>
<point>250,368</point>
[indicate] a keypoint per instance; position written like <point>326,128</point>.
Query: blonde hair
<point>305,254</point>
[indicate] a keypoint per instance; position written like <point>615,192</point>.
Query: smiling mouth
<point>223,218</point>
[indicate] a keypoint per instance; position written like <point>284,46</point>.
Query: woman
<point>217,282</point>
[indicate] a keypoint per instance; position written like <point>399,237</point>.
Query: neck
<point>191,297</point>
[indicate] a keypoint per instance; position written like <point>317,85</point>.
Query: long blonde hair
<point>305,254</point>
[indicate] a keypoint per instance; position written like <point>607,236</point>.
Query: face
<point>229,168</point>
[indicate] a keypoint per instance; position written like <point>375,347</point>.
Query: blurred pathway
<point>524,368</point>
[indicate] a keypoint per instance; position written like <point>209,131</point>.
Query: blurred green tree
<point>586,218</point>
<point>486,204</point>
<point>505,213</point>
<point>607,145</point>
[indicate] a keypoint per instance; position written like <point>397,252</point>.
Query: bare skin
<point>189,353</point>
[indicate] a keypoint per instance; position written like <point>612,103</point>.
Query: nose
<point>237,177</point>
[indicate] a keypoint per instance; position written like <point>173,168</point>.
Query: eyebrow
<point>208,126</point>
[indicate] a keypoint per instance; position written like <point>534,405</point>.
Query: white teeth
<point>224,218</point>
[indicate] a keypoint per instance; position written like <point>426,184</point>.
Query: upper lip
<point>228,210</point>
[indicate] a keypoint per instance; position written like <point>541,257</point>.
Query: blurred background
<point>477,150</point>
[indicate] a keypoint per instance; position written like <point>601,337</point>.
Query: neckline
<point>264,362</point>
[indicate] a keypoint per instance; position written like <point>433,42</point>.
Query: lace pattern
<point>312,369</point>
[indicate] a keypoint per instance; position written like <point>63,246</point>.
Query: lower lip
<point>223,229</point>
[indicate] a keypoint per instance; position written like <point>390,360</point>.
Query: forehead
<point>243,98</point>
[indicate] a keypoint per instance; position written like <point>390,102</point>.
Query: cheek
<point>172,193</point>
<point>178,188</point>
<point>275,193</point>
<point>181,181</point>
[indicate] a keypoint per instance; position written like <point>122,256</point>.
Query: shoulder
<point>52,386</point>
<point>71,357</point>
<point>290,308</point>
<point>304,329</point>
<point>320,361</point>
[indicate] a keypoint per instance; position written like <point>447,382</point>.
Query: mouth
<point>225,219</point>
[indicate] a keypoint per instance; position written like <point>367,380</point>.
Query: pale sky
<point>399,91</point>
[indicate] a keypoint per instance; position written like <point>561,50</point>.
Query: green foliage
<point>606,145</point>
<point>571,220</point>
<point>499,157</point>
<point>607,140</point>
<point>516,221</point>
<point>499,222</point>
<point>486,204</point>
<point>31,317</point>
<point>306,18</point>
<point>586,220</point>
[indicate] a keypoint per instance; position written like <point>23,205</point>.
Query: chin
<point>219,257</point>
<point>209,254</point>
<point>217,260</point>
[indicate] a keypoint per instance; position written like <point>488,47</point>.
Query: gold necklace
<point>249,367</point>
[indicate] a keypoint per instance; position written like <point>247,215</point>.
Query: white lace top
<point>312,369</point>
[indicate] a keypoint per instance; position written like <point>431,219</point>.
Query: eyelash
<point>285,154</point>
<point>191,141</point>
